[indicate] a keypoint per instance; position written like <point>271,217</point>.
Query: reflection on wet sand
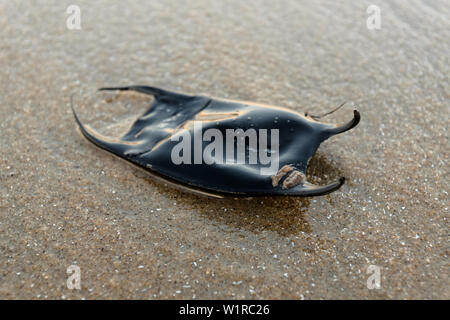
<point>283,215</point>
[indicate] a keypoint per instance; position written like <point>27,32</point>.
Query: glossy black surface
<point>148,144</point>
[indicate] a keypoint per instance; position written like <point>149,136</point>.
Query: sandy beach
<point>65,203</point>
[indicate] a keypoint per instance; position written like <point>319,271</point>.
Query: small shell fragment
<point>280,174</point>
<point>293,179</point>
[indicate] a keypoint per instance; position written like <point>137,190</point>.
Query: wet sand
<point>63,202</point>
